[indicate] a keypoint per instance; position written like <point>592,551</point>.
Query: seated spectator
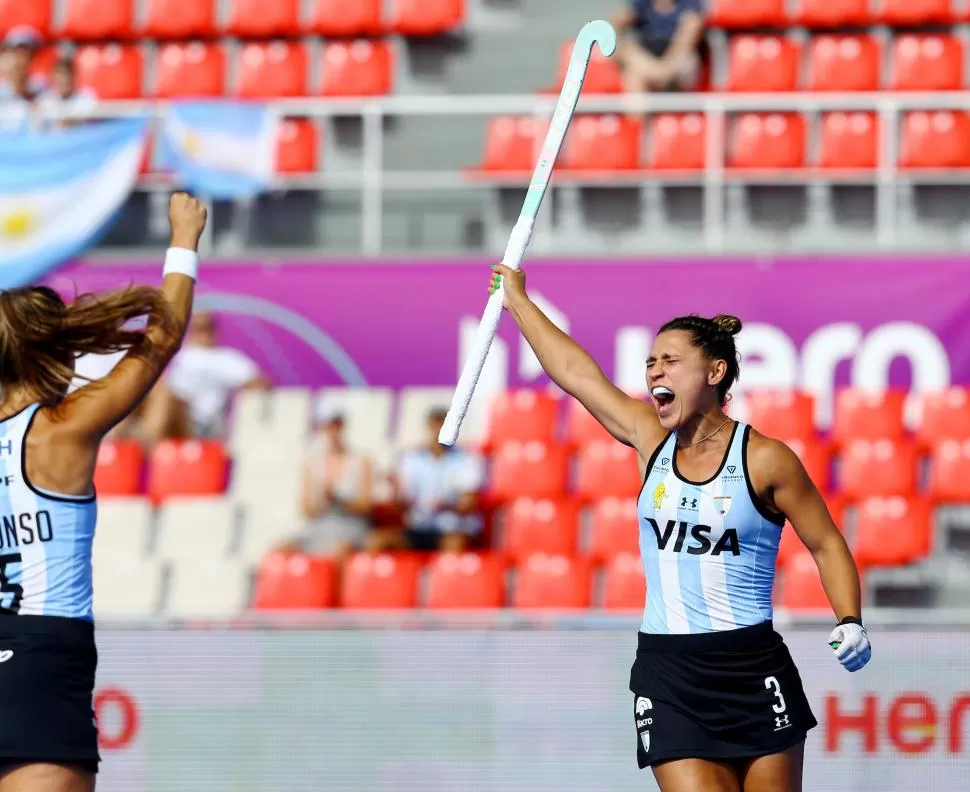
<point>338,491</point>
<point>206,375</point>
<point>18,89</point>
<point>64,96</point>
<point>663,52</point>
<point>437,488</point>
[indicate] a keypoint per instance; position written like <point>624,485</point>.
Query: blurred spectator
<point>64,96</point>
<point>206,375</point>
<point>438,489</point>
<point>18,89</point>
<point>338,491</point>
<point>663,52</point>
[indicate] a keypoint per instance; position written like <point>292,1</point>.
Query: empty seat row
<point>190,467</point>
<point>755,141</point>
<point>86,20</point>
<point>275,69</point>
<point>740,14</point>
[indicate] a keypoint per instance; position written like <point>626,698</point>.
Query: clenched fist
<point>511,281</point>
<point>187,217</point>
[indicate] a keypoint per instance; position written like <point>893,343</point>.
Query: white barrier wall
<point>398,710</point>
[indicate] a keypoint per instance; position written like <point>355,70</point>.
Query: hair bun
<point>727,324</point>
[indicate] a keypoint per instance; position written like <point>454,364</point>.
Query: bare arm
<point>363,502</point>
<point>623,20</point>
<point>686,38</point>
<point>794,494</point>
<point>571,367</point>
<point>310,500</point>
<point>90,412</point>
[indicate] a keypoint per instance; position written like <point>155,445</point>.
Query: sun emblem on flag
<point>192,145</point>
<point>17,224</point>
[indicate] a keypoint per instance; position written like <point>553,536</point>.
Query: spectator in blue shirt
<point>662,52</point>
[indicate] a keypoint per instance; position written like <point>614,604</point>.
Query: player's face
<point>679,379</point>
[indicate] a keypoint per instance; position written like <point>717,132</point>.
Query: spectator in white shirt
<point>206,376</point>
<point>438,490</point>
<point>18,89</point>
<point>64,96</point>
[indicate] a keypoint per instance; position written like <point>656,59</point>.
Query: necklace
<point>708,437</point>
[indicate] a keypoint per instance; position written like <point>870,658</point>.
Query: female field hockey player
<point>48,447</point>
<point>718,702</point>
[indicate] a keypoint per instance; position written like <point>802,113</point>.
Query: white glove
<point>851,644</point>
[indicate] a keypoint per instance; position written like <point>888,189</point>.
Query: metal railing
<point>373,179</point>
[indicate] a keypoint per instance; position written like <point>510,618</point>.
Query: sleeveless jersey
<point>45,537</point>
<point>708,548</point>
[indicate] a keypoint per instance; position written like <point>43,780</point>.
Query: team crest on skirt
<point>723,504</point>
<point>658,495</point>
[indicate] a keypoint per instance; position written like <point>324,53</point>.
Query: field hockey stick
<point>602,34</point>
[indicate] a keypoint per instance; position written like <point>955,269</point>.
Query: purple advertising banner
<point>813,323</point>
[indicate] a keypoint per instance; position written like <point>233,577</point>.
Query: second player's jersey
<point>45,538</point>
<point>708,548</point>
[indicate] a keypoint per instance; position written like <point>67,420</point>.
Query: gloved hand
<point>850,640</point>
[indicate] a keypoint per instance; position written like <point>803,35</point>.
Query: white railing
<point>373,179</point>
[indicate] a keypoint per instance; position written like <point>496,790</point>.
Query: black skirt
<point>47,668</point>
<point>725,695</point>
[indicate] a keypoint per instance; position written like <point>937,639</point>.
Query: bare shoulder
<point>770,460</point>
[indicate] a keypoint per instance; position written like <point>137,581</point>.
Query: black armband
<point>851,620</point>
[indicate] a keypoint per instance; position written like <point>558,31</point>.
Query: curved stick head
<point>597,32</point>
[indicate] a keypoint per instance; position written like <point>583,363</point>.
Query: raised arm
<point>573,369</point>
<point>91,411</point>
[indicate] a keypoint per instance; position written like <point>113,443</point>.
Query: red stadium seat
<point>43,63</point>
<point>815,458</point>
<point>938,139</point>
<point>532,469</point>
<point>602,76</point>
<point>844,63</point>
<point>747,14</point>
<point>606,469</point>
<point>762,64</point>
<point>272,70</point>
<point>801,586</point>
<point>176,19</point>
<point>583,428</point>
<point>767,141</point>
<point>92,20</point>
<point>36,14</point>
<point>677,142</point>
<point>191,70</point>
<point>891,531</point>
<point>624,585</point>
<point>553,582</point>
<point>380,581</point>
<point>119,468</point>
<point>909,13</point>
<point>260,19</point>
<point>428,17</point>
<point>606,143</point>
<point>868,416</point>
<point>295,581</point>
<point>849,140</point>
<point>297,146</point>
<point>945,416</point>
<point>928,62</point>
<point>522,415</point>
<point>340,19</point>
<point>111,71</point>
<point>357,68</point>
<point>782,413</point>
<point>541,526</point>
<point>950,472</point>
<point>190,467</point>
<point>832,13</point>
<point>614,528</point>
<point>789,546</point>
<point>511,145</point>
<point>467,580</point>
<point>880,467</point>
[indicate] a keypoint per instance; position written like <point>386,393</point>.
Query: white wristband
<point>181,261</point>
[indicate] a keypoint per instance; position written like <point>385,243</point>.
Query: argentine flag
<point>220,150</point>
<point>60,191</point>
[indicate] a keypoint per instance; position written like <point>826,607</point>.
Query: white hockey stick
<point>600,33</point>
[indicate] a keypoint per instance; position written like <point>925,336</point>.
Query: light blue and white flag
<point>60,191</point>
<point>220,150</point>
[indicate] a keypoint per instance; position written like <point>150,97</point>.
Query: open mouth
<point>662,395</point>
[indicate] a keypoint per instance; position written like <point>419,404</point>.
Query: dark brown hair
<point>715,338</point>
<point>41,335</point>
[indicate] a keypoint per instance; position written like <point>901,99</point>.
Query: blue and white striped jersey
<point>708,547</point>
<point>45,538</point>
